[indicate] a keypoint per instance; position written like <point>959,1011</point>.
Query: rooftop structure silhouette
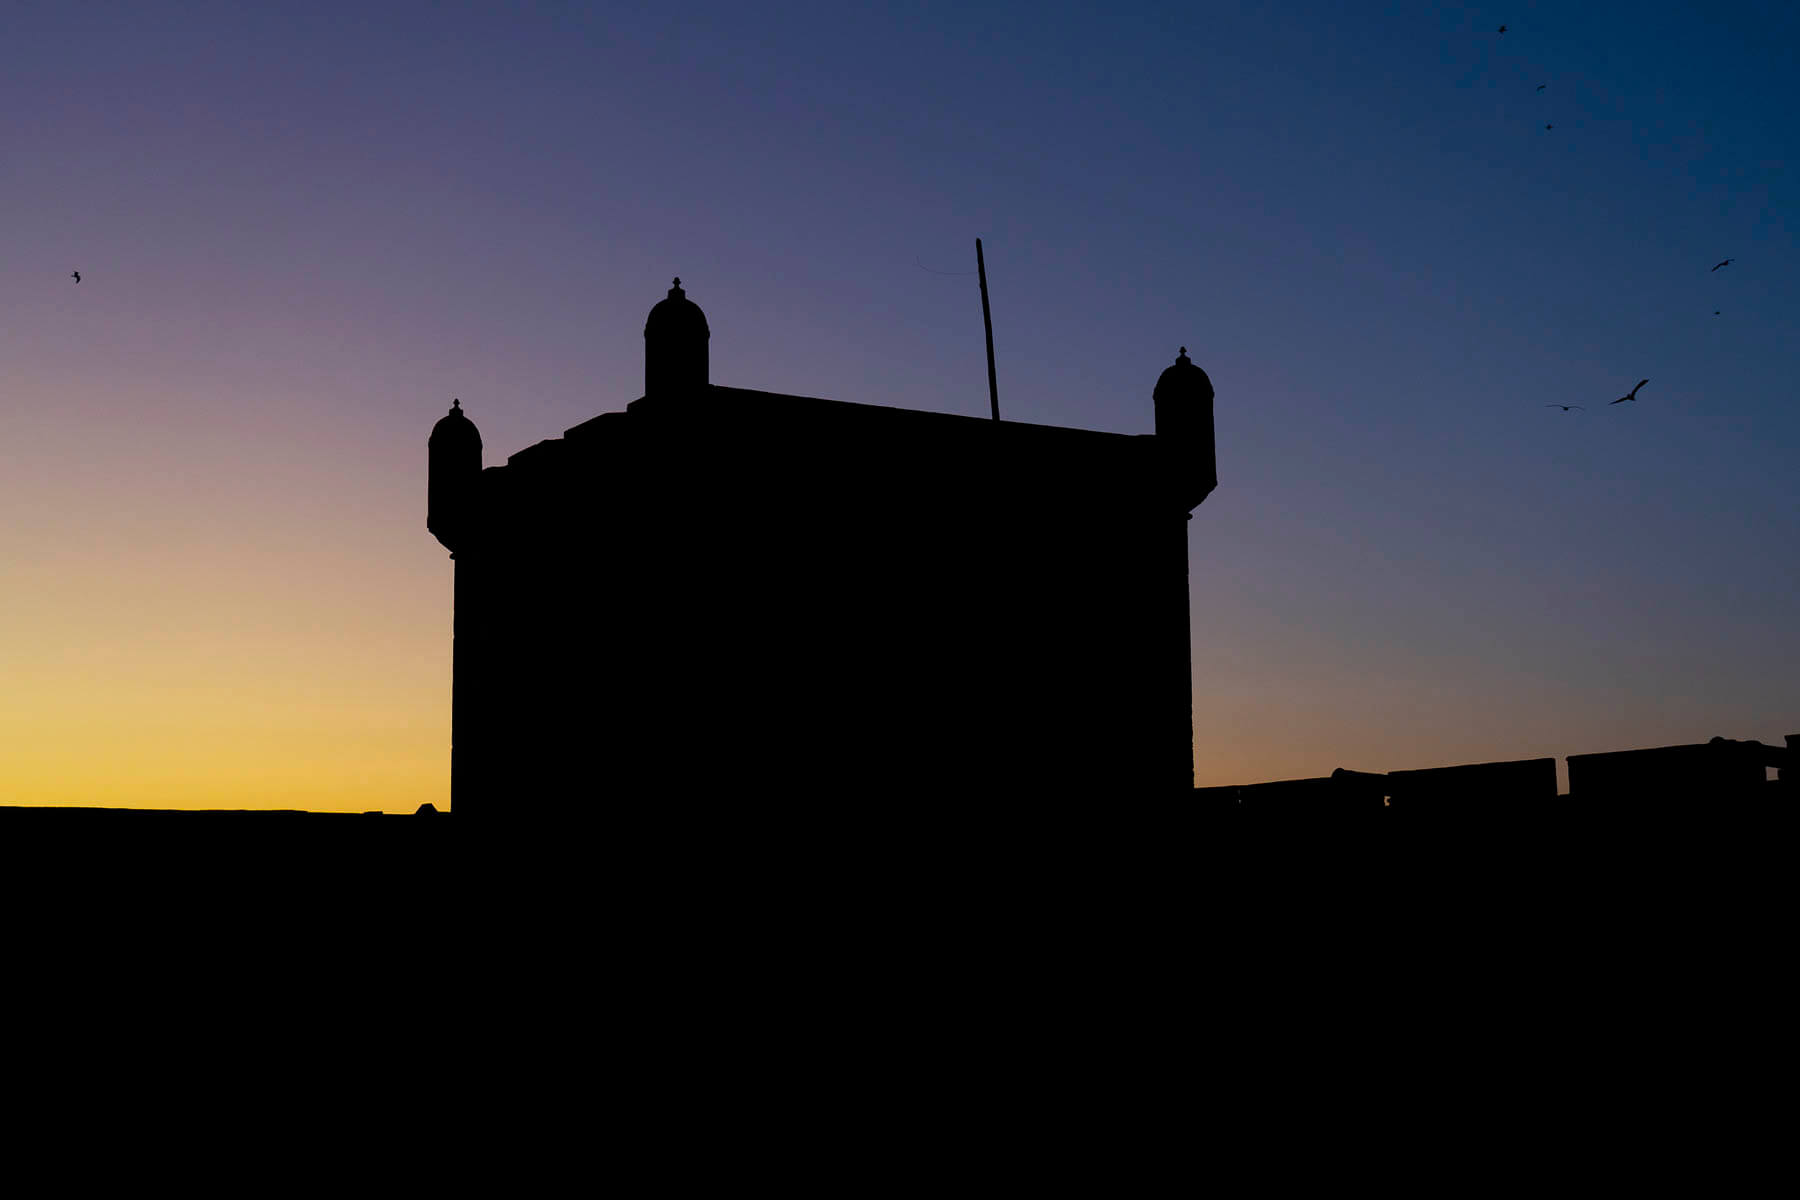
<point>1720,770</point>
<point>718,587</point>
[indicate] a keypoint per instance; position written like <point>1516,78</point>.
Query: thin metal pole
<point>987,323</point>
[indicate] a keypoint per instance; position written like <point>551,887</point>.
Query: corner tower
<point>616,642</point>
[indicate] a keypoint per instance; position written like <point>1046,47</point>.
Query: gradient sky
<point>303,228</point>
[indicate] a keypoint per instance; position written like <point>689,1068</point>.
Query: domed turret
<point>454,453</point>
<point>1184,422</point>
<point>1183,396</point>
<point>675,341</point>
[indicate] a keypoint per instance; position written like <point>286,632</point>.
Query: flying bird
<point>1726,263</point>
<point>1565,407</point>
<point>1547,128</point>
<point>1503,29</point>
<point>1542,86</point>
<point>75,275</point>
<point>1632,394</point>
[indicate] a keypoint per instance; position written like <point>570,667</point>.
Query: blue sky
<point>303,228</point>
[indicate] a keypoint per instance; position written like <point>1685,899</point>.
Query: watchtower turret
<point>1184,422</point>
<point>675,346</point>
<point>454,450</point>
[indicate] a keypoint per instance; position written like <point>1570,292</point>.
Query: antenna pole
<point>987,323</point>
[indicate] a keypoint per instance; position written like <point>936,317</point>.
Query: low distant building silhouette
<point>1658,778</point>
<point>1720,767</point>
<point>721,590</point>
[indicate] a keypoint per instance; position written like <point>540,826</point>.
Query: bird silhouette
<point>1726,263</point>
<point>1547,128</point>
<point>75,275</point>
<point>1632,394</point>
<point>1565,407</point>
<point>1542,86</point>
<point>1715,312</point>
<point>1503,29</point>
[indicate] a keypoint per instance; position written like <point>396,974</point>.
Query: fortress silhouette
<point>721,589</point>
<point>726,590</point>
<point>722,592</point>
